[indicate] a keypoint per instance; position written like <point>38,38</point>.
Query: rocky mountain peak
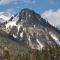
<point>28,16</point>
<point>32,30</point>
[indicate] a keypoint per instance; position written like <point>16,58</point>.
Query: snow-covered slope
<point>4,16</point>
<point>55,37</point>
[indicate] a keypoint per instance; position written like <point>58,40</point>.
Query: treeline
<point>47,54</point>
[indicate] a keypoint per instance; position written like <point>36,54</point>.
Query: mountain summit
<point>32,31</point>
<point>28,17</point>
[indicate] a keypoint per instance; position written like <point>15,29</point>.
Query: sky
<point>48,9</point>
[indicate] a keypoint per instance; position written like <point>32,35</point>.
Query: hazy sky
<point>49,9</point>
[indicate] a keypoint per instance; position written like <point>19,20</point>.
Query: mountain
<point>29,29</point>
<point>4,16</point>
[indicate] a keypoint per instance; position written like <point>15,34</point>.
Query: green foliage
<point>47,54</point>
<point>6,55</point>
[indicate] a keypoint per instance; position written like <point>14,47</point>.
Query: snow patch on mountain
<point>40,44</point>
<point>4,16</point>
<point>11,23</point>
<point>30,43</point>
<point>14,36</point>
<point>21,34</point>
<point>56,39</point>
